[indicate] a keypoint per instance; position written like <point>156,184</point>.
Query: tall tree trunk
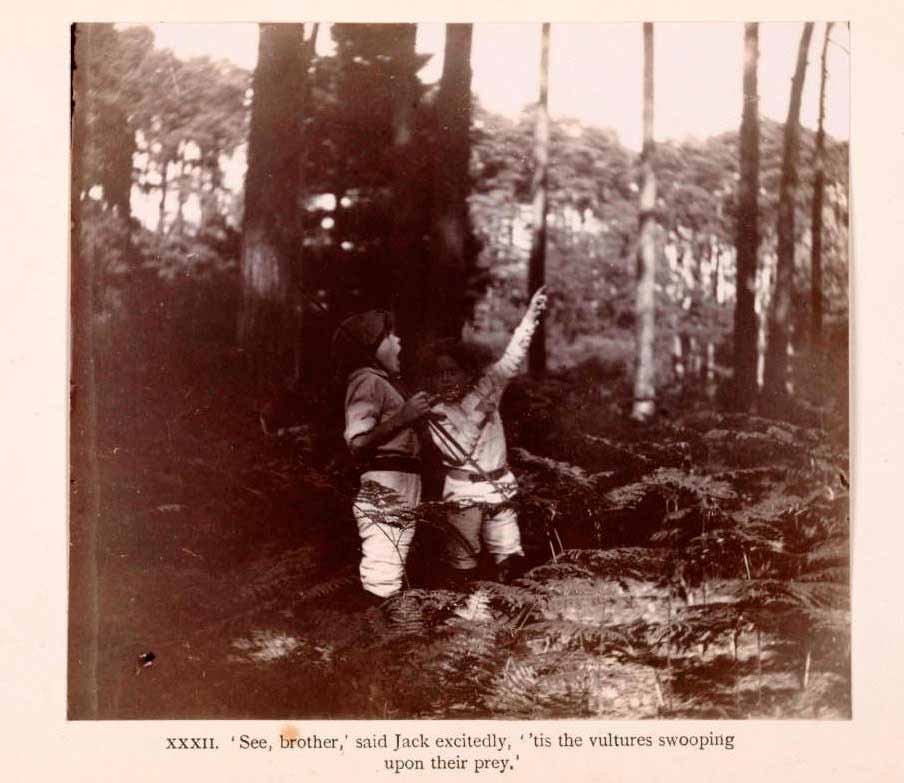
<point>537,265</point>
<point>406,231</point>
<point>84,501</point>
<point>120,179</point>
<point>271,233</point>
<point>776,370</point>
<point>209,195</point>
<point>161,212</point>
<point>819,163</point>
<point>748,238</point>
<point>178,226</point>
<point>305,363</point>
<point>709,291</point>
<point>645,305</point>
<point>451,225</point>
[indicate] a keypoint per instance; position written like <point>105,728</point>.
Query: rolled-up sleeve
<point>362,407</point>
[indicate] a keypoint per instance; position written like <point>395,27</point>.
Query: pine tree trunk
<point>748,238</point>
<point>305,363</point>
<point>451,224</point>
<point>120,181</point>
<point>645,303</point>
<point>271,233</point>
<point>404,240</point>
<point>537,264</point>
<point>209,188</point>
<point>763,301</point>
<point>161,212</point>
<point>776,370</point>
<point>178,226</point>
<point>84,604</point>
<point>816,222</point>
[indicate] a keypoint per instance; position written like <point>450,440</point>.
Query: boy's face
<point>388,352</point>
<point>448,377</point>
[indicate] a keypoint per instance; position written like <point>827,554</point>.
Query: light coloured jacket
<point>370,399</point>
<point>474,421</point>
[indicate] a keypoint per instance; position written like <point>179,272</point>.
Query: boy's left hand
<point>538,301</point>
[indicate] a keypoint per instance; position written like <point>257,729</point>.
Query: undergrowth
<point>693,568</point>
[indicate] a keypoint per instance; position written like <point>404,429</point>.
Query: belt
<point>394,463</point>
<point>474,476</point>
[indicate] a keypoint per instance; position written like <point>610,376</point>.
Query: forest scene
<point>679,433</point>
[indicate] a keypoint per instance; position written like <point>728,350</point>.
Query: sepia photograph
<point>460,371</point>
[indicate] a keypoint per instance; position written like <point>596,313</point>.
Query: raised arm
<point>507,366</point>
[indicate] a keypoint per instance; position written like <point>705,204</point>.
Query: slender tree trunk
<point>84,500</point>
<point>763,301</point>
<point>819,163</point>
<point>748,238</point>
<point>645,306</point>
<point>677,353</point>
<point>209,190</point>
<point>120,195</point>
<point>776,370</point>
<point>708,289</point>
<point>537,265</point>
<point>451,224</point>
<point>161,212</point>
<point>178,227</point>
<point>716,257</point>
<point>271,232</point>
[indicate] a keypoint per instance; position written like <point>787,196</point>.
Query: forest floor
<point>694,567</point>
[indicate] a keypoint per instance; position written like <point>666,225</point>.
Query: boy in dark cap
<point>379,432</point>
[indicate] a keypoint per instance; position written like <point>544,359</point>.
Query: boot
<point>459,578</point>
<point>356,600</point>
<point>510,568</point>
<point>366,599</point>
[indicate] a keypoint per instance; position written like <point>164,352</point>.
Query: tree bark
<point>537,264</point>
<point>819,163</point>
<point>161,212</point>
<point>776,370</point>
<point>209,196</point>
<point>409,297</point>
<point>748,236</point>
<point>305,363</point>
<point>178,226</point>
<point>84,501</point>
<point>645,303</point>
<point>271,233</point>
<point>451,224</point>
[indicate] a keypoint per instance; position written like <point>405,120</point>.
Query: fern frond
<point>834,552</point>
<point>766,594</point>
<point>639,563</point>
<point>561,635</point>
<point>285,574</point>
<point>702,626</point>
<point>840,575</point>
<point>515,598</point>
<point>559,469</point>
<point>557,570</point>
<point>417,612</point>
<point>347,577</point>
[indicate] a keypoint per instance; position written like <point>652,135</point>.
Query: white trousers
<point>386,525</point>
<point>478,518</point>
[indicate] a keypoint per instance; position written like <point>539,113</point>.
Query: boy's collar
<point>371,368</point>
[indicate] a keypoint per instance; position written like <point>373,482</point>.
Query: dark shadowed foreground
<point>697,567</point>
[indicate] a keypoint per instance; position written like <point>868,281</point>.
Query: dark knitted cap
<point>356,340</point>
